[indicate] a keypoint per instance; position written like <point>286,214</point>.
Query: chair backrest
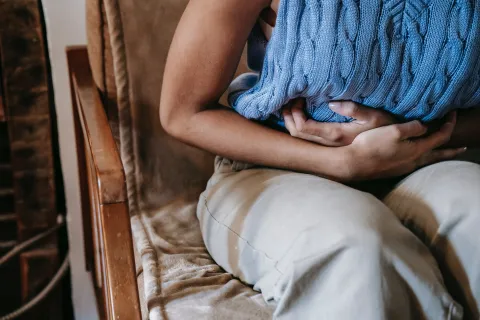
<point>128,42</point>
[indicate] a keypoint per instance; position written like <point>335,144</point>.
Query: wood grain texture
<point>74,60</point>
<point>98,136</point>
<point>109,248</point>
<point>26,105</point>
<point>24,68</point>
<point>119,267</point>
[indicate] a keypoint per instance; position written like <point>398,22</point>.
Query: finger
<point>334,132</point>
<point>441,136</point>
<point>361,113</point>
<point>408,130</point>
<point>440,155</point>
<point>288,118</point>
<point>325,130</point>
<point>290,125</point>
<point>299,116</point>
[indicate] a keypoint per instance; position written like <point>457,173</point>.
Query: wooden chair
<point>108,238</point>
<point>135,179</point>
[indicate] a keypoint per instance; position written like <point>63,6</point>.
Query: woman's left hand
<point>330,133</point>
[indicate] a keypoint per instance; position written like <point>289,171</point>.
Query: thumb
<point>352,110</point>
<point>407,130</point>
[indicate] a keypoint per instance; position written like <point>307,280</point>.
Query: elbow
<point>174,118</point>
<point>168,121</point>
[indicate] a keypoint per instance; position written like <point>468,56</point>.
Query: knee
<point>445,180</point>
<point>438,197</point>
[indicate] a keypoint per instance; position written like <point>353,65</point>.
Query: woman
<point>292,225</point>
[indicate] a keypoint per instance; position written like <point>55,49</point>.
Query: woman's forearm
<point>223,132</point>
<point>467,130</point>
<point>203,57</point>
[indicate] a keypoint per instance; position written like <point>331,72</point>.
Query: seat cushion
<point>180,279</point>
<point>128,43</point>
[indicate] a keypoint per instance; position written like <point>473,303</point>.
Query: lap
<point>257,214</point>
<point>251,219</point>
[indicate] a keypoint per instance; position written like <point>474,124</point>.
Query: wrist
<point>338,164</point>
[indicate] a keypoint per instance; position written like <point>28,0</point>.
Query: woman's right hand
<point>398,149</point>
<point>333,134</point>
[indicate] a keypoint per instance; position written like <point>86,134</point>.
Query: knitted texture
<point>417,59</point>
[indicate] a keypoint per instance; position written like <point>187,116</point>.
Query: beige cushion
<point>128,42</point>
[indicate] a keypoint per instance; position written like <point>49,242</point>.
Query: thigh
<point>441,205</point>
<point>250,218</point>
<point>438,199</point>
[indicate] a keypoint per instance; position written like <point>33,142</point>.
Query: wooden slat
<point>76,59</point>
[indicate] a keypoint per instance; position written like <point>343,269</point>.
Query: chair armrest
<point>106,219</point>
<point>96,130</point>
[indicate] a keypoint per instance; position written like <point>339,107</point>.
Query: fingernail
<point>333,105</point>
<point>464,149</point>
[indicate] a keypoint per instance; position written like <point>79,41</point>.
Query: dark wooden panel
<point>4,144</point>
<point>37,268</point>
<point>20,78</point>
<point>35,205</point>
<point>20,13</point>
<point>31,129</point>
<point>10,282</point>
<point>6,180</point>
<point>31,155</point>
<point>27,106</point>
<point>22,44</point>
<point>2,105</point>
<point>8,227</point>
<point>7,202</point>
<point>23,66</point>
<point>28,103</point>
<point>25,83</point>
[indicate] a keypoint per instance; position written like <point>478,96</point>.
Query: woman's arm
<point>202,60</point>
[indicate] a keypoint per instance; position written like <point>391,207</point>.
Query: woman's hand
<point>329,133</point>
<point>398,149</point>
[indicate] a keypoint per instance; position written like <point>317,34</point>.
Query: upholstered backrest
<point>128,42</point>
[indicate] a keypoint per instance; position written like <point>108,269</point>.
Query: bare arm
<point>203,57</point>
<point>202,60</point>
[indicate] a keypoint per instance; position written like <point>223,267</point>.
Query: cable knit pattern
<point>417,59</point>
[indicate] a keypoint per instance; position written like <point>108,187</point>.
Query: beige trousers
<point>318,249</point>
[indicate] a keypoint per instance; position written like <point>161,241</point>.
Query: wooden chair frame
<point>106,220</point>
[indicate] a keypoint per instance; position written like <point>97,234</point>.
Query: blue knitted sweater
<point>417,59</point>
